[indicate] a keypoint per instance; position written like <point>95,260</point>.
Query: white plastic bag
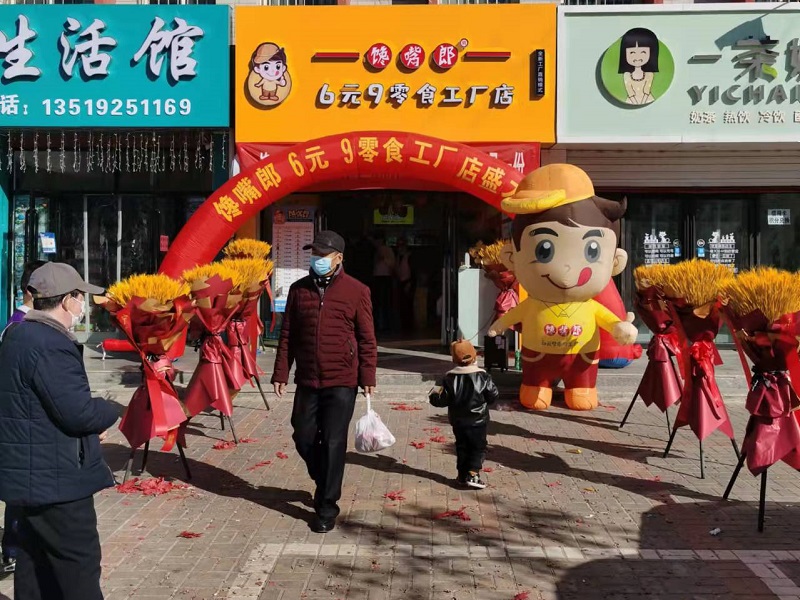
<point>371,434</point>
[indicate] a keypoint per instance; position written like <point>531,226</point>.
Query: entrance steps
<point>403,375</point>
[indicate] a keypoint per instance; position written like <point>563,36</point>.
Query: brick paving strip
<point>261,563</point>
<point>575,510</point>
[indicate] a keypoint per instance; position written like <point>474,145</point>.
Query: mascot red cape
<point>564,253</point>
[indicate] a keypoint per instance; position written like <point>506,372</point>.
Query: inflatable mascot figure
<point>564,253</point>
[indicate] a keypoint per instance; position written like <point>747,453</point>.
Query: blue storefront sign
<point>114,66</point>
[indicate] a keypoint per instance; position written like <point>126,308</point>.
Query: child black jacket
<point>467,393</point>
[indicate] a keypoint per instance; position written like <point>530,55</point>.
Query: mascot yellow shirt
<point>568,328</point>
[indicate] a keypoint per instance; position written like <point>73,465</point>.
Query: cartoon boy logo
<point>268,80</point>
<point>638,68</point>
<point>564,253</point>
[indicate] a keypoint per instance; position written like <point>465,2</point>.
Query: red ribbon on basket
<point>158,377</point>
<point>239,344</point>
<point>660,384</point>
<point>701,405</point>
<point>211,382</point>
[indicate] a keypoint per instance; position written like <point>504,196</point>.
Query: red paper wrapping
<point>702,407</point>
<point>508,297</point>
<point>244,340</point>
<point>660,384</point>
<point>773,432</point>
<point>218,371</point>
<point>155,409</point>
<point>239,346</point>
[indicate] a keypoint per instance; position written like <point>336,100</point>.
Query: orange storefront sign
<point>468,73</point>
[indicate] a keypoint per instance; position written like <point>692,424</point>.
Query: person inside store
<point>51,427</point>
<point>10,522</point>
<point>382,283</point>
<point>329,333</point>
<point>27,299</point>
<point>405,286</point>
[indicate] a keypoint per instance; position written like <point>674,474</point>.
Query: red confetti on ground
<point>522,596</point>
<point>403,406</point>
<point>607,406</point>
<point>282,455</point>
<point>189,535</point>
<point>155,486</point>
<point>396,496</point>
<point>460,513</point>
<point>433,429</point>
<point>439,439</point>
<point>263,463</point>
<point>224,445</point>
<point>248,440</point>
<point>657,478</point>
<point>418,445</point>
<point>488,469</point>
<point>553,484</point>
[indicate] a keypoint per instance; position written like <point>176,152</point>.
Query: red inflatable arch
<point>364,158</point>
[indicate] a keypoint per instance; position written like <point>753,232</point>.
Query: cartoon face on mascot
<point>564,253</point>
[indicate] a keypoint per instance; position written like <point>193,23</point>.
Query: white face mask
<point>76,319</point>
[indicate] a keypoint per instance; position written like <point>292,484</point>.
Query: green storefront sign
<point>691,74</point>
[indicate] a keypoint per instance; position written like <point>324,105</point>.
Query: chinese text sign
<point>664,75</point>
<point>114,66</point>
<point>466,73</point>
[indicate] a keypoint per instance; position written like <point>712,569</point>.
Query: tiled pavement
<point>575,510</point>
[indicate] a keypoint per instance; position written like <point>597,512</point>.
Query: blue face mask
<point>321,265</point>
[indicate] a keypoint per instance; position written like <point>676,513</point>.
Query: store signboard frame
<point>725,73</point>
<point>87,65</point>
<point>317,72</point>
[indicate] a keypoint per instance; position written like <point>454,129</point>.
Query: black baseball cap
<point>326,242</point>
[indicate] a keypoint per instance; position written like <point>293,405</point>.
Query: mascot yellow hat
<point>549,187</point>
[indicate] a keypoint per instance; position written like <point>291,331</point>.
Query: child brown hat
<point>463,353</point>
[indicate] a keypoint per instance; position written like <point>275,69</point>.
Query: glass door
<point>30,218</point>
<point>654,232</point>
<point>779,231</point>
<point>722,231</point>
<point>102,233</point>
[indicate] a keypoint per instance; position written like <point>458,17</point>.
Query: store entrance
<point>411,249</point>
<point>669,228</point>
<point>106,237</point>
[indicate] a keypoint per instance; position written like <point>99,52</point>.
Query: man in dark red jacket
<point>328,332</point>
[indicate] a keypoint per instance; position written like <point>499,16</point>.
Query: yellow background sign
<point>465,73</point>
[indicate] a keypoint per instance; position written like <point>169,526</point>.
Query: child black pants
<point>470,448</point>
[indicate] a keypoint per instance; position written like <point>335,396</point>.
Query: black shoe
<point>461,480</point>
<point>320,525</point>
<point>9,565</point>
<point>474,481</point>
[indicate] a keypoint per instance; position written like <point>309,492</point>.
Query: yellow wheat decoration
<point>203,272</point>
<point>696,281</point>
<point>247,248</point>
<point>488,255</point>
<point>160,287</point>
<point>249,272</point>
<point>773,292</point>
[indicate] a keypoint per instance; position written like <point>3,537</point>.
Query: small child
<point>467,391</point>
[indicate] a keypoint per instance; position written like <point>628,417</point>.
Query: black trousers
<point>470,448</point>
<point>10,527</point>
<point>321,421</point>
<point>58,557</point>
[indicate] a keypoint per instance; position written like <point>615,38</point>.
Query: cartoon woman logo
<point>637,69</point>
<point>268,81</point>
